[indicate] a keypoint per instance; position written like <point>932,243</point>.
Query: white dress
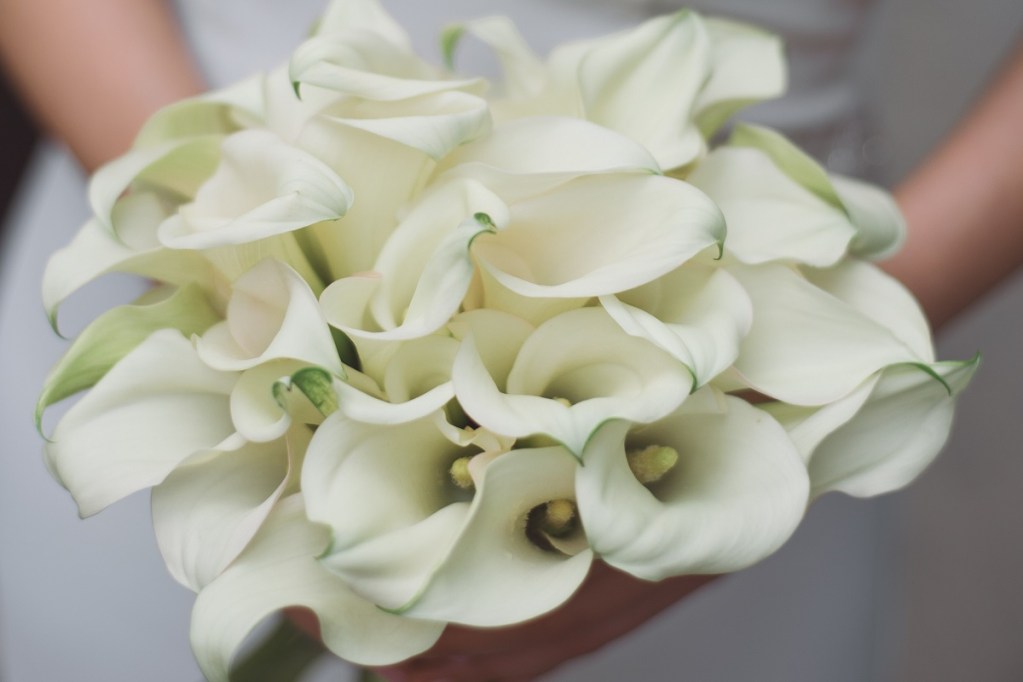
<point>92,601</point>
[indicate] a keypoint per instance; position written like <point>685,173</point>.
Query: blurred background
<point>961,526</point>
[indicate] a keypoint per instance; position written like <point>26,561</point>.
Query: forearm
<point>964,205</point>
<point>93,71</point>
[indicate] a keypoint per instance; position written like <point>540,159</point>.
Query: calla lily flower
<point>283,555</point>
<point>272,314</point>
<point>733,491</point>
<point>128,432</point>
<point>699,314</point>
<point>599,235</point>
<point>421,544</point>
<point>424,270</point>
<point>799,329</point>
<point>668,83</point>
<point>572,374</point>
<point>881,436</point>
<point>209,508</point>
<point>781,205</point>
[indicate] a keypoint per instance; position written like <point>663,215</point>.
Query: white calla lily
<point>599,235</point>
<point>261,188</point>
<point>529,156</point>
<point>424,270</point>
<point>881,298</point>
<point>735,493</point>
<point>209,508</point>
<point>883,435</point>
<point>800,330</point>
<point>386,493</point>
<point>283,556</point>
<point>582,358</point>
<point>272,314</point>
<point>495,574</point>
<point>699,314</point>
<point>152,411</point>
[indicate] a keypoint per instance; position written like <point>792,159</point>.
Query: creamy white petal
<point>895,434</point>
<point>698,314</point>
<point>525,157</point>
<point>386,494</point>
<point>433,123</point>
<point>494,575</point>
<point>737,493</point>
<point>807,347</point>
<point>881,298</point>
<point>361,15</point>
<point>262,406</point>
<point>748,65</point>
<point>424,271</point>
<point>600,235</point>
<point>209,508</point>
<point>262,187</point>
<point>770,216</point>
<point>272,314</point>
<point>644,82</point>
<point>95,252</point>
<point>279,569</point>
<point>524,73</point>
<point>153,410</point>
<point>220,112</point>
<point>880,226</point>
<point>584,358</point>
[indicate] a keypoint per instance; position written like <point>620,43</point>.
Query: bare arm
<point>964,205</point>
<point>93,71</point>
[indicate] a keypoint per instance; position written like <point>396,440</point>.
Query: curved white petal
<point>278,570</point>
<point>424,270</point>
<point>95,252</point>
<point>770,216</point>
<point>584,358</point>
<point>433,123</point>
<point>698,314</point>
<point>525,157</point>
<point>116,333</point>
<point>880,226</point>
<point>361,15</point>
<point>644,83</point>
<point>220,112</point>
<point>209,508</point>
<point>524,73</point>
<point>387,496</point>
<point>272,315</point>
<point>807,347</point>
<point>262,407</point>
<point>181,165</point>
<point>599,235</point>
<point>748,65</point>
<point>737,493</point>
<point>895,434</point>
<point>881,298</point>
<point>262,187</point>
<point>494,575</point>
<point>153,410</point>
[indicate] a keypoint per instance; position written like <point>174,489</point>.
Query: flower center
<point>650,464</point>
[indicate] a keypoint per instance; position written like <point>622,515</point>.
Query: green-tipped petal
<point>117,332</point>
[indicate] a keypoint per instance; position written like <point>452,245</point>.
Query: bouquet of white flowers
<point>422,351</point>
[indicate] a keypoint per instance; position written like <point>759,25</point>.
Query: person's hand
<point>608,605</point>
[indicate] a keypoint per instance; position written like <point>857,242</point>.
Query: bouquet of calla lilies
<point>421,349</point>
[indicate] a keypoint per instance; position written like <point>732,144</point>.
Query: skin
<point>967,198</point>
